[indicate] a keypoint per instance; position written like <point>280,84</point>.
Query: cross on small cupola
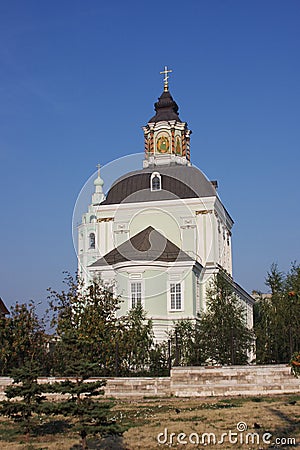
<point>166,77</point>
<point>167,138</point>
<point>98,167</point>
<point>98,196</point>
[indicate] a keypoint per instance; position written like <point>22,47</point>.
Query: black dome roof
<point>177,182</point>
<point>166,108</point>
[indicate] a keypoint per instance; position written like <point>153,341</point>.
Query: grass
<point>144,419</point>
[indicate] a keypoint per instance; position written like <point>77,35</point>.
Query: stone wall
<point>135,387</point>
<point>234,380</point>
<point>198,382</point>
<point>138,387</point>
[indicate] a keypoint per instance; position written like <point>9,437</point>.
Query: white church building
<point>160,232</point>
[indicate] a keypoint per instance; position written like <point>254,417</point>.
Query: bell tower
<point>167,138</point>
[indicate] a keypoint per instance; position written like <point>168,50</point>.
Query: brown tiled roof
<point>3,309</point>
<point>147,245</point>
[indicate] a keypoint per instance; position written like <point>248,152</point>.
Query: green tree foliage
<point>226,337</point>
<point>22,338</point>
<point>219,335</point>
<point>86,324</point>
<point>183,343</point>
<point>160,359</point>
<point>26,403</point>
<point>134,341</point>
<point>277,319</point>
<point>89,416</point>
<point>87,327</point>
<point>26,394</point>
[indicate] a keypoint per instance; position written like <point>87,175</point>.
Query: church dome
<point>98,181</point>
<point>166,109</point>
<point>176,182</point>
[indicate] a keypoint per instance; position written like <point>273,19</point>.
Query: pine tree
<point>89,416</point>
<point>135,341</point>
<point>24,396</point>
<point>225,337</point>
<point>183,343</point>
<point>277,318</point>
<point>26,401</point>
<point>86,324</point>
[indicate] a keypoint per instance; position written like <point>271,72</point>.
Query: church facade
<point>161,232</point>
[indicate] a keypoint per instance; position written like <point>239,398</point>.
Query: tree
<point>89,416</point>
<point>86,324</point>
<point>134,341</point>
<point>224,335</point>
<point>160,359</point>
<point>277,317</point>
<point>22,337</point>
<point>183,343</point>
<point>292,310</point>
<point>27,394</point>
<point>265,332</point>
<point>26,401</point>
<point>219,335</point>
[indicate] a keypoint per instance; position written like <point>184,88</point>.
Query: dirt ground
<point>189,423</point>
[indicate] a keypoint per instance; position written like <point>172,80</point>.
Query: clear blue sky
<point>78,79</point>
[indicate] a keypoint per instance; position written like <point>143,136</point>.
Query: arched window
<point>93,219</point>
<point>92,240</point>
<point>155,182</point>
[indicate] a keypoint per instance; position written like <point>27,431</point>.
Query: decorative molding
<point>135,275</point>
<point>105,219</point>
<point>151,141</point>
<point>188,222</point>
<point>187,227</point>
<point>173,140</point>
<point>121,226</point>
<point>183,143</point>
<point>204,211</point>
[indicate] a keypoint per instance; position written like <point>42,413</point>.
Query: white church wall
<point>189,235</point>
<point>209,238</point>
<point>184,223</point>
<point>162,220</point>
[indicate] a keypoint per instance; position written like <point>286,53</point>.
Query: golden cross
<point>165,73</point>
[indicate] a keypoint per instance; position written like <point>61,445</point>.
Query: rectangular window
<point>175,293</point>
<point>136,294</point>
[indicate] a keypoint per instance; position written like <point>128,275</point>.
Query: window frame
<point>90,246</point>
<point>175,283</point>
<point>155,175</point>
<point>136,281</point>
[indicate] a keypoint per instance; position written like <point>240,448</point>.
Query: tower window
<point>155,181</point>
<point>92,243</point>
